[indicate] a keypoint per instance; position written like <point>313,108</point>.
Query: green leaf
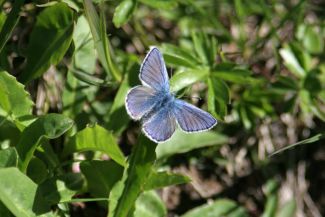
<point>187,78</point>
<point>10,23</point>
<point>295,59</point>
<point>84,57</point>
<point>125,192</point>
<point>164,179</point>
<point>149,204</point>
<point>60,189</point>
<point>238,76</point>
<point>219,208</point>
<point>8,158</point>
<point>55,25</point>
<point>123,12</point>
<point>98,30</point>
<point>15,101</point>
<point>288,209</point>
<point>182,142</point>
<point>101,176</point>
<point>37,170</point>
<point>118,117</point>
<point>312,139</point>
<point>160,4</point>
<point>313,40</point>
<point>218,97</point>
<point>50,126</point>
<point>178,57</point>
<point>20,194</point>
<point>95,138</point>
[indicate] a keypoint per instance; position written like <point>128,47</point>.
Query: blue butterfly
<point>157,107</point>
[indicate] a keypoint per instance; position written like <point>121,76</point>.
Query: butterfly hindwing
<point>139,101</point>
<point>160,126</point>
<point>191,118</point>
<point>153,72</point>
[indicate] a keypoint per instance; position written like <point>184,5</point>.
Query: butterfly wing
<point>160,126</point>
<point>191,118</point>
<point>153,72</point>
<point>139,101</point>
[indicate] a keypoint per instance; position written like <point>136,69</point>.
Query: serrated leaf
<point>50,126</point>
<point>182,142</point>
<point>95,138</point>
<point>20,194</point>
<point>55,24</point>
<point>123,12</point>
<point>219,208</point>
<point>15,101</point>
<point>163,179</point>
<point>125,192</point>
<point>149,204</point>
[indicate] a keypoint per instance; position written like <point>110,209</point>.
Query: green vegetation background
<point>68,147</point>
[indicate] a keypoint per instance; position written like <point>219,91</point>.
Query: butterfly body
<point>157,108</point>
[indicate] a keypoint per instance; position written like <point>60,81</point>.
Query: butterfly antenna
<point>190,97</point>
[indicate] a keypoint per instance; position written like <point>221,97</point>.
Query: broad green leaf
<point>187,78</point>
<point>98,30</point>
<point>163,179</point>
<point>8,158</point>
<point>160,4</point>
<point>60,189</point>
<point>288,209</point>
<point>50,126</point>
<point>20,194</point>
<point>125,192</point>
<point>123,12</point>
<point>149,204</point>
<point>182,142</point>
<point>270,206</point>
<point>219,208</point>
<point>101,176</point>
<point>10,23</point>
<point>37,170</point>
<point>95,138</point>
<point>49,40</point>
<point>313,41</point>
<point>15,101</point>
<point>84,57</point>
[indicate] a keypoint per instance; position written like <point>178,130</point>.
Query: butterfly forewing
<point>160,126</point>
<point>139,101</point>
<point>191,118</point>
<point>153,71</point>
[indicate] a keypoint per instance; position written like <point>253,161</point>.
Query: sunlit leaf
<point>164,179</point>
<point>95,138</point>
<point>20,194</point>
<point>183,142</point>
<point>123,12</point>
<point>187,78</point>
<point>149,204</point>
